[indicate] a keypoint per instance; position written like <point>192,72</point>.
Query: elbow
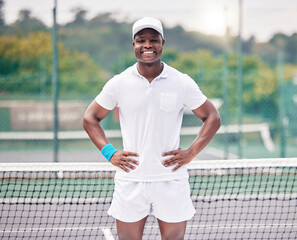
<point>213,121</point>
<point>93,115</point>
<point>87,121</point>
<point>90,120</point>
<point>216,121</point>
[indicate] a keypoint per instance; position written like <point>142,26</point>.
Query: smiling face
<point>148,45</point>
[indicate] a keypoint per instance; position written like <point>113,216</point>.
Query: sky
<point>260,18</point>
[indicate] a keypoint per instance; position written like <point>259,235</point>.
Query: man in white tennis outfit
<point>151,176</point>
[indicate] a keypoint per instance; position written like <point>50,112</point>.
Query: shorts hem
<point>164,219</point>
<point>130,220</point>
<point>175,220</point>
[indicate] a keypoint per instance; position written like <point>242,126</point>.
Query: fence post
<point>239,80</point>
<point>281,105</point>
<point>55,83</point>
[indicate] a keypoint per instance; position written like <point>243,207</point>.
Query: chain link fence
<point>269,101</point>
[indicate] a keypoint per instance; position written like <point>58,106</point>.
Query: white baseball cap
<point>147,22</point>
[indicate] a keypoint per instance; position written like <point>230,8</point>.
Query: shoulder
<point>128,72</point>
<point>171,70</point>
<point>173,73</point>
<point>117,78</point>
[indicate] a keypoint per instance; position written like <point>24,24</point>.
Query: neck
<point>150,70</point>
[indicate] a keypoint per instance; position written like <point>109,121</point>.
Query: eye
<point>155,40</point>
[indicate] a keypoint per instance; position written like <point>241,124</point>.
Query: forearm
<point>209,128</point>
<point>181,157</point>
<point>95,132</point>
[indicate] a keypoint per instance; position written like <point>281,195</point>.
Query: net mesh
<point>234,199</point>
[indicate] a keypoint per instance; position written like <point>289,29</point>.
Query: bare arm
<point>91,123</point>
<point>211,123</point>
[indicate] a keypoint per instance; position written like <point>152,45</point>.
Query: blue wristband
<point>107,151</point>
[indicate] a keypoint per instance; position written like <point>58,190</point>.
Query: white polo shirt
<point>150,118</point>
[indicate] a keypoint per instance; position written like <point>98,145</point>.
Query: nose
<point>147,44</point>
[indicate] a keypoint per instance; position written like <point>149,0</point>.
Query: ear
<point>163,42</point>
<point>133,43</point>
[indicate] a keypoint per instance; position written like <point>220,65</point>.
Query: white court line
<point>108,235</point>
<point>234,226</point>
<point>262,128</point>
<point>218,153</point>
<point>245,226</point>
<point>106,231</point>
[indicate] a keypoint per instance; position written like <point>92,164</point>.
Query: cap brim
<point>138,29</point>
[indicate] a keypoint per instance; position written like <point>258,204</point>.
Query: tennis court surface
<point>234,199</point>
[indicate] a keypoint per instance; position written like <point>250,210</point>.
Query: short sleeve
<point>194,97</point>
<point>107,97</point>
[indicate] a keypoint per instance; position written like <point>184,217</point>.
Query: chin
<point>152,61</point>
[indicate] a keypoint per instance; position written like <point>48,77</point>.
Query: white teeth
<point>148,52</point>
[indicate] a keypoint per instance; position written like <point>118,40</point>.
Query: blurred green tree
<point>26,23</point>
<point>20,66</point>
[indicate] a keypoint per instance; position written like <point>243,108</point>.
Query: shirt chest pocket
<point>168,102</point>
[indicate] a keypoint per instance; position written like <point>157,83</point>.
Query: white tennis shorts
<point>168,201</point>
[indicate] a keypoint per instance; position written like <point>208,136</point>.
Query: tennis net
<point>234,199</point>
